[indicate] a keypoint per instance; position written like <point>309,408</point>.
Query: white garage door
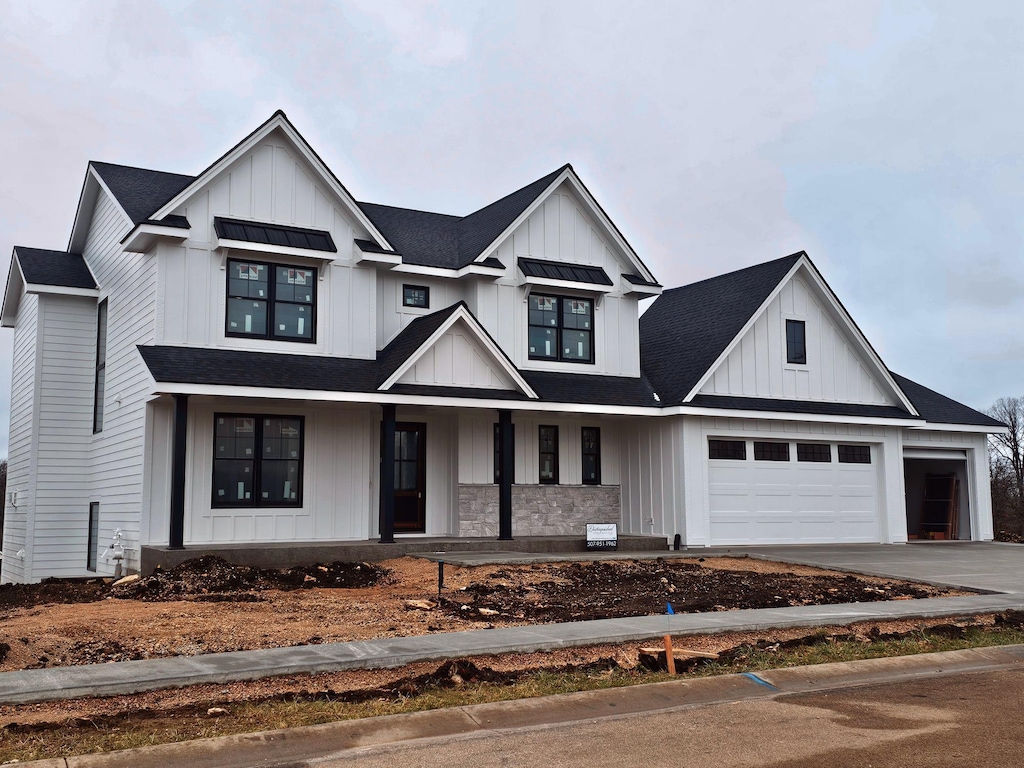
<point>790,501</point>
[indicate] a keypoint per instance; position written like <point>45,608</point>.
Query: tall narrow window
<point>101,367</point>
<point>94,536</point>
<point>548,454</point>
<point>257,461</point>
<point>591,447</point>
<point>497,450</point>
<point>796,342</point>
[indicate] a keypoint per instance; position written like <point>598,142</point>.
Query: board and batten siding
<point>128,282</point>
<point>271,184</point>
<point>21,458</point>
<point>393,317</point>
<point>560,230</point>
<point>458,359</point>
<point>64,435</point>
<point>652,478</point>
<point>836,371</point>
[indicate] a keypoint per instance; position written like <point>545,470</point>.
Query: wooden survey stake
<point>670,659</point>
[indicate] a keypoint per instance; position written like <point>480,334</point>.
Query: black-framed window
<point>101,367</point>
<point>727,449</point>
<point>796,342</point>
<point>561,328</point>
<point>854,454</point>
<point>765,451</point>
<point>547,454</point>
<point>497,451</point>
<point>271,301</point>
<point>92,545</point>
<point>416,296</point>
<point>590,446</point>
<point>257,460</point>
<point>820,452</point>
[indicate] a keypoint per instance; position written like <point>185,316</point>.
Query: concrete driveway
<point>988,566</point>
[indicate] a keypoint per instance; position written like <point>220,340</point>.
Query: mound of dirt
<point>213,579</point>
<point>66,591</point>
<point>612,589</point>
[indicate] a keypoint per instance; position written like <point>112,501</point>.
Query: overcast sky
<point>882,138</point>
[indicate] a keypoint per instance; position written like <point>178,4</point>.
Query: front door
<point>410,478</point>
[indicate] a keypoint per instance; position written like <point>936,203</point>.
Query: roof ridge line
<point>736,272</point>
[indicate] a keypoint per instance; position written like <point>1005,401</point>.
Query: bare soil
<point>207,605</point>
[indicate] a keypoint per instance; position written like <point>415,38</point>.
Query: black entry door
<point>410,478</point>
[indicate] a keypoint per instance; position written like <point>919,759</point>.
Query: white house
<point>213,361</point>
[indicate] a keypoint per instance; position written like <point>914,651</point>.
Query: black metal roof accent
<point>686,329</point>
<point>637,280</point>
<point>140,192</point>
<point>940,409</point>
<point>368,246</point>
<point>229,367</point>
<point>561,270</point>
<point>800,406</point>
<point>410,339</point>
<point>60,268</point>
<point>274,234</point>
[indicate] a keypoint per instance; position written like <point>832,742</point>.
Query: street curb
<point>300,746</point>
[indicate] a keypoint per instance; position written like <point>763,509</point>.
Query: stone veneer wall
<point>538,510</point>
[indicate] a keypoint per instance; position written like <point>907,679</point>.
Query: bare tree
<point>1010,447</point>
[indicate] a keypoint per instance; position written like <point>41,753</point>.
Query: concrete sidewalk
<point>34,685</point>
<point>312,745</point>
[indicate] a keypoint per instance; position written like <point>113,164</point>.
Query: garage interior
<point>937,494</point>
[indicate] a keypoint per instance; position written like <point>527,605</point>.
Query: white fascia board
<point>595,211</point>
<point>547,282</point>
<point>496,353</point>
<point>12,295</point>
<point>742,332</point>
<point>90,191</point>
<point>386,260</point>
<point>735,413</point>
<point>471,269</point>
<point>975,428</point>
<point>276,250</point>
<point>384,398</point>
<point>856,334</point>
<point>640,290</point>
<point>278,121</point>
<point>61,290</point>
<point>141,239</point>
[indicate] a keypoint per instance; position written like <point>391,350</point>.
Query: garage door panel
<point>792,502</point>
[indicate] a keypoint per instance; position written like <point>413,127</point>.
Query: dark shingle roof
<point>560,270</point>
<point>686,329</point>
<point>589,388</point>
<point>139,191</point>
<point>451,242</point>
<point>800,406</point>
<point>274,234</point>
<point>410,339</point>
<point>940,409</point>
<point>228,367</point>
<point>43,267</point>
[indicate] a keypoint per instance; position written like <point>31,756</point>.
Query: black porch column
<point>507,475</point>
<point>387,475</point>
<point>176,538</point>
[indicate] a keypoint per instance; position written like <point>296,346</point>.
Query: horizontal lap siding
<point>20,460</point>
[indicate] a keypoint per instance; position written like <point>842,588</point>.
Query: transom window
<point>821,452</point>
<point>416,296</point>
<point>257,461</point>
<point>854,454</point>
<point>796,342</point>
<point>727,449</point>
<point>561,328</point>
<point>271,301</point>
<point>771,451</point>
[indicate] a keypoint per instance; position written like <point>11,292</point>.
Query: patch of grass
<point>146,729</point>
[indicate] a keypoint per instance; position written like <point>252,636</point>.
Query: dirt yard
<point>208,606</point>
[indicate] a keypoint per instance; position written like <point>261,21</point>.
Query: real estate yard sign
<point>602,536</point>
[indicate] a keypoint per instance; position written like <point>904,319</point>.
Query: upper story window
<point>416,296</point>
<point>271,301</point>
<point>561,328</point>
<point>796,342</point>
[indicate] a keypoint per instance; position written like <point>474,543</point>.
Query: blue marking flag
<point>669,610</point>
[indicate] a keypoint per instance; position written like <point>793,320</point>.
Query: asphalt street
<point>958,720</point>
